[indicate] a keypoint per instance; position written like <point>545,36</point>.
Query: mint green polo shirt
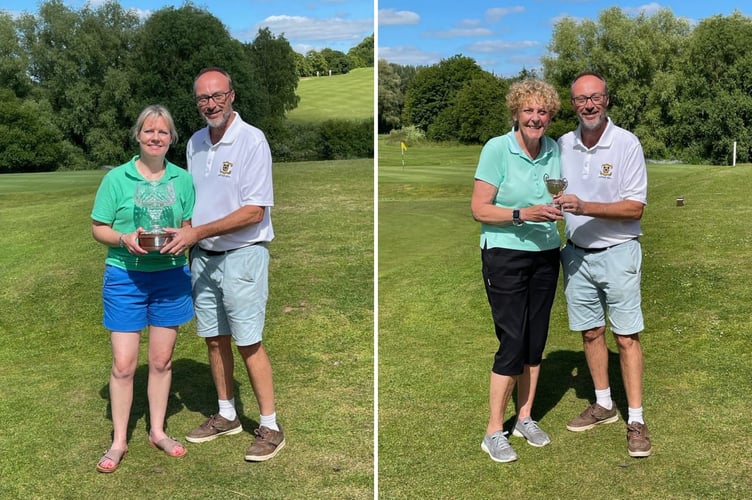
<point>114,206</point>
<point>519,183</point>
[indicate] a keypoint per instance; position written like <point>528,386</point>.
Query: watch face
<point>516,218</point>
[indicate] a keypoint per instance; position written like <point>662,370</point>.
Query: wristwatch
<point>516,218</point>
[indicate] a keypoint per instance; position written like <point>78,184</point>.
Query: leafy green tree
<point>29,141</point>
<point>303,66</point>
<point>406,74</point>
<point>319,65</point>
<point>433,89</point>
<point>273,63</point>
<point>389,98</point>
<point>76,60</point>
<point>336,61</point>
<point>13,61</point>
<point>361,56</point>
<point>713,107</point>
<point>477,113</point>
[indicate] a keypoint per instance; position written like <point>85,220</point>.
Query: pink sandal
<point>114,456</point>
<point>170,446</point>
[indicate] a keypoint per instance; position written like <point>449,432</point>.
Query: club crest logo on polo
<point>226,168</point>
<point>606,170</point>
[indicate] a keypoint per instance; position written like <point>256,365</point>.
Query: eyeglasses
<point>217,97</point>
<point>596,99</point>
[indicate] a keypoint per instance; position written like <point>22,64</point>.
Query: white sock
<point>227,409</point>
<point>603,397</point>
<point>269,421</point>
<point>635,415</point>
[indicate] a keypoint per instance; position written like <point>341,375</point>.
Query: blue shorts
<point>603,283</point>
<point>230,292</point>
<point>135,299</point>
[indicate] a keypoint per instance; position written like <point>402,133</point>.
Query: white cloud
<point>408,56</point>
<point>391,17</point>
<point>468,23</point>
<point>492,46</point>
<point>495,14</point>
<point>142,14</point>
<point>648,9</point>
<point>460,32</point>
<point>299,29</point>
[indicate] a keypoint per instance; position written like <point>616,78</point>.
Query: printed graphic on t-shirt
<point>606,170</point>
<point>226,169</point>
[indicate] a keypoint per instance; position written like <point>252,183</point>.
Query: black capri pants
<point>521,286</point>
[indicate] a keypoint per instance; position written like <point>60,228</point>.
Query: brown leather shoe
<point>267,444</point>
<point>212,428</point>
<point>593,415</point>
<point>638,440</point>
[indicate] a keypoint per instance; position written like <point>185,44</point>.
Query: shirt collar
<point>132,171</point>
<point>514,148</point>
<point>606,138</point>
<point>230,134</point>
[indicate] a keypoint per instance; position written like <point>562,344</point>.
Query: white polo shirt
<point>234,172</point>
<point>612,170</point>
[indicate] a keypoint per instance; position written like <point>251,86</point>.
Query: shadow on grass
<point>565,370</point>
<point>192,389</point>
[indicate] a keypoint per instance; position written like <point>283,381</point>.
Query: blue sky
<point>503,36</point>
<point>306,24</point>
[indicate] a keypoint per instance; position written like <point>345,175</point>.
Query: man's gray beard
<point>594,126</point>
<point>219,122</point>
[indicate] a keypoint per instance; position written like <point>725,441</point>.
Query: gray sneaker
<point>593,415</point>
<point>528,429</point>
<point>212,428</point>
<point>498,447</point>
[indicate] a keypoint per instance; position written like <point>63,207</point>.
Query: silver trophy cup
<point>555,186</point>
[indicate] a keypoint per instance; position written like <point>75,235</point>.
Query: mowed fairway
<point>436,346</point>
<point>55,356</point>
<point>336,97</point>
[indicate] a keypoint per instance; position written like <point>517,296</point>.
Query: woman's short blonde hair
<point>155,110</point>
<point>532,89</point>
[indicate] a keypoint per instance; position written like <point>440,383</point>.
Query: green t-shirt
<point>519,181</point>
<point>114,205</point>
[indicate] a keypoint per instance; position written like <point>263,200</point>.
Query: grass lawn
<point>436,346</point>
<point>336,97</point>
<point>55,358</point>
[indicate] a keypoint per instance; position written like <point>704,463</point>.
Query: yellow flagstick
<point>404,148</point>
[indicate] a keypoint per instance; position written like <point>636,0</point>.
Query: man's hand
<point>182,239</point>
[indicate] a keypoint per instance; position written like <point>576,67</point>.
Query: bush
<point>344,140</point>
<point>296,142</point>
<point>410,135</point>
<point>28,140</point>
<point>330,140</point>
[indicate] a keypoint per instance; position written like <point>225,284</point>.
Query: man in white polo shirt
<point>602,260</point>
<point>231,166</point>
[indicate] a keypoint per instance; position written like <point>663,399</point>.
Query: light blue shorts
<point>603,283</point>
<point>134,299</point>
<point>230,292</point>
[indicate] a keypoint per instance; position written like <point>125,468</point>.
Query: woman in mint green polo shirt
<point>143,288</point>
<point>520,256</point>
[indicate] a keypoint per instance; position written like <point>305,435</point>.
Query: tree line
<point>72,82</point>
<point>684,90</point>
